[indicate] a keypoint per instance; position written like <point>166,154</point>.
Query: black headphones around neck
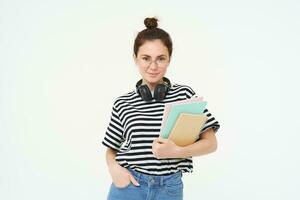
<point>160,90</point>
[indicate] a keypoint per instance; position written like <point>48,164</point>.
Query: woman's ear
<point>134,58</point>
<point>169,60</point>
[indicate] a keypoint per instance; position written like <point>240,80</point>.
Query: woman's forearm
<point>110,157</point>
<point>201,147</point>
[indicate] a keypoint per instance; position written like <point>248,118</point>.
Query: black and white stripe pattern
<point>134,124</point>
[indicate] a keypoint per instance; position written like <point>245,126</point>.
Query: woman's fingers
<point>160,140</point>
<point>132,179</point>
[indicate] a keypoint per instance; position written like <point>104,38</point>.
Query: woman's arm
<point>207,144</point>
<point>165,148</point>
<point>120,175</point>
<point>110,157</point>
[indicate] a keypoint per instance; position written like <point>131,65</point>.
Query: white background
<point>62,63</point>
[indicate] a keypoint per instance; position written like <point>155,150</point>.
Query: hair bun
<point>151,22</point>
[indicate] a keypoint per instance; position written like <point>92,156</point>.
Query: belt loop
<point>162,180</point>
<point>138,175</point>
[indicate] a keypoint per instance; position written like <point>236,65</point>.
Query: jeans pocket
<point>174,187</point>
<point>122,188</point>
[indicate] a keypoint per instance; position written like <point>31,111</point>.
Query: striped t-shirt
<point>135,123</point>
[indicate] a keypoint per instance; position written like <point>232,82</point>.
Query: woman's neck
<point>152,85</point>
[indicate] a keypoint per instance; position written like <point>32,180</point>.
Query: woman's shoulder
<point>183,87</point>
<point>125,97</point>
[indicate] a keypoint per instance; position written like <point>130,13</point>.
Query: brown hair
<point>151,32</point>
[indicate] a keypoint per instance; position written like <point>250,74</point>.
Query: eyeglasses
<point>160,62</point>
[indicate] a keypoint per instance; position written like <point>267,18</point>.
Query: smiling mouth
<point>153,74</point>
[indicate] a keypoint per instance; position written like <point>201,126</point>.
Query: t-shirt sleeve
<point>113,137</point>
<point>210,123</point>
<point>211,120</point>
<point>190,93</point>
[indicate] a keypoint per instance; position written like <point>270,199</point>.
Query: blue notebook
<point>191,108</point>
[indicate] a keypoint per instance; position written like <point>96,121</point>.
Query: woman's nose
<point>153,65</point>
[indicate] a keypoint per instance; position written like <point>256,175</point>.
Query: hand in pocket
<point>121,177</point>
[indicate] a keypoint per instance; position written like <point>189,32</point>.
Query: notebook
<point>187,128</point>
<point>175,110</point>
<point>169,105</point>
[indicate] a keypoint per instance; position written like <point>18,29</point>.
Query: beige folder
<point>187,128</point>
<point>168,107</point>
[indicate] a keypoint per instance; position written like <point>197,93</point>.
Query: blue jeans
<point>152,187</point>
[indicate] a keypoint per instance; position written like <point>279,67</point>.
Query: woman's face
<point>152,60</point>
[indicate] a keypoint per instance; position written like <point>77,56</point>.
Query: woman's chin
<point>153,79</point>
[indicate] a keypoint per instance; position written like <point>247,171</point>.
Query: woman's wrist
<point>113,167</point>
<point>183,152</point>
<point>112,164</point>
<point>180,152</point>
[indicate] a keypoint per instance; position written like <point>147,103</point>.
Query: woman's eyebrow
<point>156,56</point>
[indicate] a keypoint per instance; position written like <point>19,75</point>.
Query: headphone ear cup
<point>145,92</point>
<point>160,92</point>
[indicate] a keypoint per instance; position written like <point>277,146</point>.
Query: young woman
<point>143,165</point>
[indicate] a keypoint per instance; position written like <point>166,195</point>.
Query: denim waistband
<point>155,180</point>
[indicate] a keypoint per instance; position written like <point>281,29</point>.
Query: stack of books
<point>183,120</point>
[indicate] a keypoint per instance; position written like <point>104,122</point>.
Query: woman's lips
<point>153,74</point>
